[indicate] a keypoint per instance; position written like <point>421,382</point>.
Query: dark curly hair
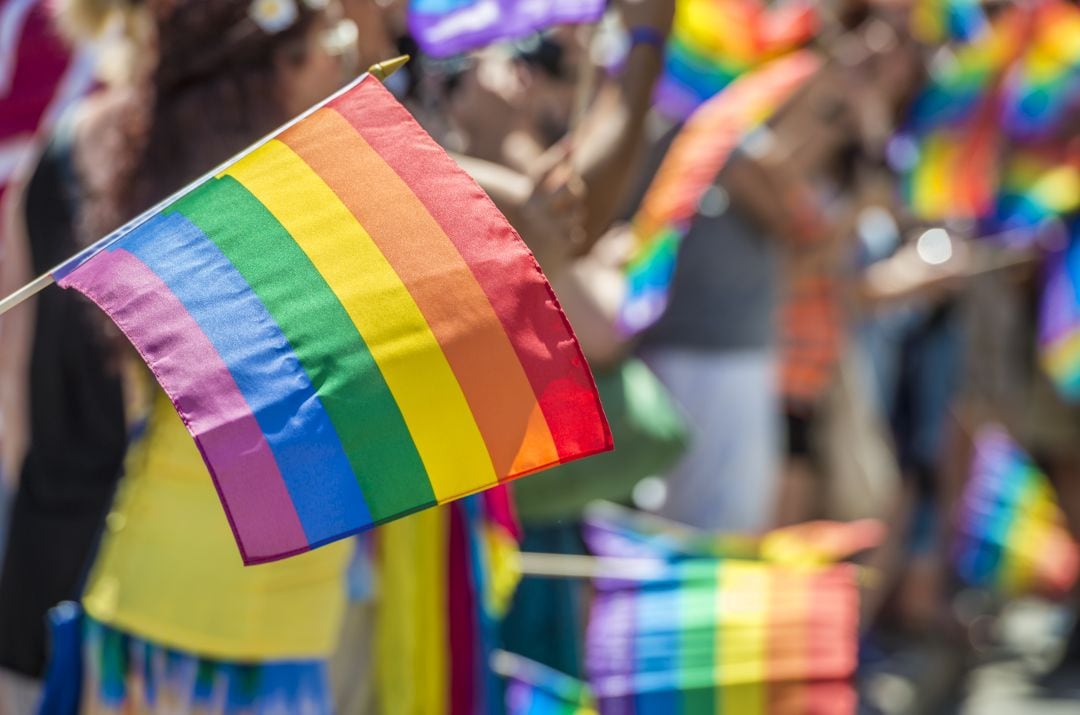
<point>212,90</point>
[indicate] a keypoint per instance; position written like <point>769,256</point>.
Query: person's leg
<point>728,479</point>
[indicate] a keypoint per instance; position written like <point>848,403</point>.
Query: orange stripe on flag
<point>446,292</point>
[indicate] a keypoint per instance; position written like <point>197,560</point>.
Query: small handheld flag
<point>349,329</point>
<point>690,167</point>
<point>726,636</point>
<point>715,41</point>
<point>1011,534</point>
<point>1059,318</point>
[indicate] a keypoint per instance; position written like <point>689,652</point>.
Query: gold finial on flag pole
<point>382,70</point>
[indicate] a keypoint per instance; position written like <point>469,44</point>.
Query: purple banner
<point>447,27</point>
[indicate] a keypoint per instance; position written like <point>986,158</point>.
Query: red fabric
<point>554,364</point>
<point>41,59</point>
<point>463,626</point>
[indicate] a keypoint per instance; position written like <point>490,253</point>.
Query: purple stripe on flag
<point>211,404</point>
<point>443,29</point>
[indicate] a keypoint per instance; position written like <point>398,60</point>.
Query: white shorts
<point>729,477</point>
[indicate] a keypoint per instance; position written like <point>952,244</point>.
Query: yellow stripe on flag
<point>379,304</point>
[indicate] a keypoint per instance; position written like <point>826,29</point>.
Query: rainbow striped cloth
<point>967,145</point>
<point>690,167</point>
<point>726,636</point>
<point>1037,184</point>
<point>1043,85</point>
<point>714,41</point>
<point>448,27</point>
<point>1059,318</point>
<point>942,20</point>
<point>349,329</point>
<point>1011,535</point>
<point>729,624</point>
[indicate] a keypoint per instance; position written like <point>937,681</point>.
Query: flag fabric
<point>689,169</point>
<point>448,27</point>
<point>535,689</point>
<point>1011,535</point>
<point>935,21</point>
<point>966,149</point>
<point>1043,85</point>
<point>723,624</point>
<point>715,41</point>
<point>445,577</point>
<point>726,636</point>
<point>1037,184</point>
<point>349,329</point>
<point>1059,318</point>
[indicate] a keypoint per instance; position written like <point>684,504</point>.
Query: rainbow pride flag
<point>690,167</point>
<point>969,139</point>
<point>713,42</point>
<point>1037,185</point>
<point>442,586</point>
<point>1011,535</point>
<point>726,636</point>
<point>349,329</point>
<point>1044,83</point>
<point>535,689</point>
<point>448,27</point>
<point>935,21</point>
<point>1059,318</point>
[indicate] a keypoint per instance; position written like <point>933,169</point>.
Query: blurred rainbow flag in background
<point>975,145</point>
<point>349,329</point>
<point>447,27</point>
<point>723,624</point>
<point>445,579</point>
<point>1043,85</point>
<point>1059,318</point>
<point>689,168</point>
<point>1011,533</point>
<point>1037,184</point>
<point>726,636</point>
<point>935,21</point>
<point>714,41</point>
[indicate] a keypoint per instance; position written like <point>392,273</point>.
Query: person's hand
<point>553,217</point>
<point>657,14</point>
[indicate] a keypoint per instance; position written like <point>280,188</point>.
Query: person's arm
<point>776,200</point>
<point>605,147</point>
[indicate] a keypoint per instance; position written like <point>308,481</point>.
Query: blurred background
<point>823,257</point>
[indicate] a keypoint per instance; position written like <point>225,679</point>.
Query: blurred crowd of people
<point>828,347</point>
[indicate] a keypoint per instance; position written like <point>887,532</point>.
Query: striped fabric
<point>1059,318</point>
<point>715,41</point>
<point>348,328</point>
<point>725,624</point>
<point>690,167</point>
<point>726,636</point>
<point>1011,535</point>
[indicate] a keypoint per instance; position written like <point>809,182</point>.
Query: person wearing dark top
<point>76,434</point>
